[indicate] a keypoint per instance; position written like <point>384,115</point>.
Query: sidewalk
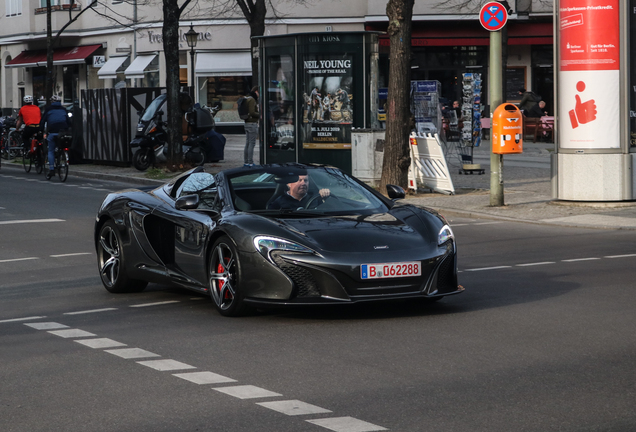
<point>527,189</point>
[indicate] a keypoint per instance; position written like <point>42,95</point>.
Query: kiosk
<point>315,88</point>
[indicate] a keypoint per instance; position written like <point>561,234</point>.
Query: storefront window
<point>70,83</point>
<point>223,91</point>
<point>151,74</point>
<point>39,80</point>
<point>280,133</point>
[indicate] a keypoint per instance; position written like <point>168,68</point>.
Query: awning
<point>61,56</point>
<point>139,65</point>
<point>109,70</point>
<point>224,64</point>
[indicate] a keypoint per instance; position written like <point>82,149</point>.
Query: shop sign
<point>589,63</point>
<point>157,37</point>
<point>99,61</point>
<point>327,101</point>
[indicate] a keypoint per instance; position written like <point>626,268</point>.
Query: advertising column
<point>589,88</point>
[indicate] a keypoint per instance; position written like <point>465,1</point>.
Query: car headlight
<point>445,234</point>
<point>265,245</point>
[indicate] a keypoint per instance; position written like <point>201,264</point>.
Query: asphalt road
<point>541,340</point>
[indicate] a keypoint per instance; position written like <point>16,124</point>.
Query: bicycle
<point>62,145</point>
<point>10,140</point>
<point>35,155</point>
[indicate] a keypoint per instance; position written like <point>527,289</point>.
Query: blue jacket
<point>56,118</point>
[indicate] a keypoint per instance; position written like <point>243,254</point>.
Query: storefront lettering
<point>327,64</point>
<point>324,38</point>
<point>157,37</point>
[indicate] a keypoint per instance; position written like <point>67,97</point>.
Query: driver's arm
<point>324,193</point>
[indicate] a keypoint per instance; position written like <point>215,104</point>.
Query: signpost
<point>493,16</point>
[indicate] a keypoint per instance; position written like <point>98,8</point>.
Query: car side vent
<point>446,280</point>
<point>305,283</point>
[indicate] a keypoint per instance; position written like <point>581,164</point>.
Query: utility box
<point>507,130</point>
<point>367,154</point>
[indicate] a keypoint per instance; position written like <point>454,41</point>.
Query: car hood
<point>343,234</point>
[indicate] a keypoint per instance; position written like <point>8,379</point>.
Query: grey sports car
<point>275,235</point>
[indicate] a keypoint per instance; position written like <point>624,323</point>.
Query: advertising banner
<point>589,63</point>
<point>327,101</point>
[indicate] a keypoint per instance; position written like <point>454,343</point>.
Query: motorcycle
<point>149,145</point>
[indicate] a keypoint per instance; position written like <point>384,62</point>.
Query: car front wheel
<point>224,278</point>
<point>110,260</point>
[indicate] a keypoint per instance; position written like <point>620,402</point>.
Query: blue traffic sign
<point>493,16</point>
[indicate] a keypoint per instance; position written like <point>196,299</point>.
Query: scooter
<point>149,146</point>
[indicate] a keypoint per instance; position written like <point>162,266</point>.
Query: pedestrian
<point>528,100</point>
<point>251,127</point>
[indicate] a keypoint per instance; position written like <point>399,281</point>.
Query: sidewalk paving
<point>527,189</point>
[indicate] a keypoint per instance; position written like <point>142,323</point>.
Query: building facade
<point>96,51</point>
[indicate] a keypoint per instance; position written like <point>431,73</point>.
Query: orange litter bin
<point>507,130</point>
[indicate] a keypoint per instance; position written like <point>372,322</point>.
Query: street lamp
<point>191,38</point>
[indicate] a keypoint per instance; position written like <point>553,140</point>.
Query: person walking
<point>251,127</point>
<point>55,120</point>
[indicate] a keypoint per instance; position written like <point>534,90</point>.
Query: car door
<point>190,229</point>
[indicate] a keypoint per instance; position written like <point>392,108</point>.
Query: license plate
<point>390,270</point>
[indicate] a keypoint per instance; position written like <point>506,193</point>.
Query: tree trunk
<point>257,28</point>
<point>170,33</point>
<point>396,148</point>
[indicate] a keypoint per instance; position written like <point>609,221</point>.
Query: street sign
<point>493,16</point>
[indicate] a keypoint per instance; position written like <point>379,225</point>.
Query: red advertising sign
<point>589,63</point>
<point>590,37</point>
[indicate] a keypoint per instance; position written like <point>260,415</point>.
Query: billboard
<point>589,63</point>
<point>327,103</point>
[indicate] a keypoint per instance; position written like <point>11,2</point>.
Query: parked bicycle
<point>10,140</point>
<point>62,145</point>
<point>35,154</point>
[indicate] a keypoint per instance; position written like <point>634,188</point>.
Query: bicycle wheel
<point>15,145</point>
<point>27,161</point>
<point>62,165</point>
<point>39,160</point>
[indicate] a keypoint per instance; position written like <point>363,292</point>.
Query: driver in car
<point>298,196</point>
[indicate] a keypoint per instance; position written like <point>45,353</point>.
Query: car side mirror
<point>395,192</point>
<point>187,202</point>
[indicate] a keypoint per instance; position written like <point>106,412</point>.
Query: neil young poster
<point>327,109</point>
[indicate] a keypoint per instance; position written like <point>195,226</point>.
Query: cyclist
<point>30,115</point>
<point>55,120</point>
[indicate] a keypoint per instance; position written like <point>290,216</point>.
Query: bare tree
<point>396,148</point>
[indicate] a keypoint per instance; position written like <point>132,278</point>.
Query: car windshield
<point>300,192</point>
<point>152,109</point>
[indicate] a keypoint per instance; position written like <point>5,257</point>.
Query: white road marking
<point>22,319</point>
<point>18,259</point>
<point>89,311</point>
<point>154,304</point>
<point>293,407</point>
<point>71,254</point>
<point>100,343</point>
<point>580,259</point>
<point>46,325</point>
<point>23,221</point>
<point>247,392</point>
<point>166,365</point>
<point>204,377</point>
<point>132,353</point>
<point>346,424</point>
<point>487,223</point>
<point>621,256</point>
<point>488,268</point>
<point>71,333</point>
<point>536,264</point>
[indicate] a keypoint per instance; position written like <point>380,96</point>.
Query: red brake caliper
<point>220,269</point>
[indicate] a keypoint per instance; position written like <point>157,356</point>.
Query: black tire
<point>224,275</point>
<point>111,264</point>
<point>195,156</point>
<point>27,161</point>
<point>62,165</point>
<point>142,159</point>
<point>38,160</point>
